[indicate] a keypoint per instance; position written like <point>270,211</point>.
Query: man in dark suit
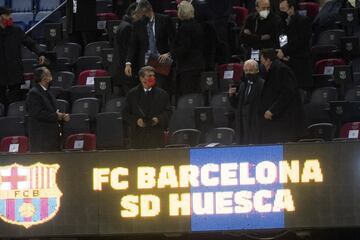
<point>296,42</point>
<point>280,101</point>
<point>247,101</point>
<point>261,30</point>
<point>122,83</point>
<point>43,118</point>
<point>151,36</point>
<point>147,111</point>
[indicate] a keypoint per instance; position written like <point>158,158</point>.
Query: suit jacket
<point>11,41</point>
<point>188,47</point>
<point>121,45</point>
<point>43,121</point>
<point>248,112</point>
<point>139,44</point>
<point>280,97</point>
<point>138,105</point>
<point>298,49</point>
<point>85,17</point>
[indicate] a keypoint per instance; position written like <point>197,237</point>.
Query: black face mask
<point>252,77</point>
<point>283,15</point>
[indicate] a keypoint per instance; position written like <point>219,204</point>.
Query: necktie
<point>248,88</point>
<point>152,40</point>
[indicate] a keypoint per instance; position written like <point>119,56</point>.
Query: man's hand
<point>128,70</point>
<point>268,115</point>
<point>232,90</point>
<point>265,37</point>
<point>41,60</point>
<point>247,31</point>
<point>164,57</point>
<point>66,117</point>
<point>155,121</point>
<point>140,122</point>
<point>59,115</point>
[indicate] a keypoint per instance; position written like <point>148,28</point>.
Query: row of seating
<point>31,5</point>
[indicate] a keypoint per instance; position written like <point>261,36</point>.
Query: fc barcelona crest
<point>29,195</point>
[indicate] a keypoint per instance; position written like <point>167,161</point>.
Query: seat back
<point>222,135</point>
<point>229,73</point>
<point>21,5</point>
<point>17,109</point>
<point>350,130</point>
<point>324,131</point>
<point>63,79</point>
<point>326,66</point>
<point>62,105</point>
<point>81,141</point>
<point>331,37</point>
<point>324,95</point>
<point>12,126</point>
<point>69,50</point>
<point>95,48</point>
<point>79,123</point>
<point>190,101</point>
<point>115,105</point>
<point>186,136</point>
<point>14,144</point>
<point>89,106</point>
<point>48,5</point>
<point>86,77</point>
<point>109,130</point>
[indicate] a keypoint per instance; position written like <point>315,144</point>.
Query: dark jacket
<point>248,111</point>
<point>11,41</point>
<point>43,121</point>
<point>259,27</point>
<point>188,47</point>
<point>84,19</point>
<point>139,105</point>
<point>139,44</point>
<point>281,98</point>
<point>121,45</point>
<point>298,48</point>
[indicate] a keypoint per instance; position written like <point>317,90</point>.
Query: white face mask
<point>264,13</point>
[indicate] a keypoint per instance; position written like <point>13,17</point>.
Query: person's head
<point>147,77</point>
<point>130,12</point>
<point>5,17</point>
<point>263,8</point>
<point>42,75</point>
<point>144,8</point>
<point>186,11</point>
<point>267,56</point>
<point>287,8</point>
<point>251,70</point>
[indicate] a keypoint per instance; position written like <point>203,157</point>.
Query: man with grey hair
<point>246,100</point>
<point>261,30</point>
<point>152,36</point>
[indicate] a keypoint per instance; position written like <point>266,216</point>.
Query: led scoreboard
<point>180,190</point>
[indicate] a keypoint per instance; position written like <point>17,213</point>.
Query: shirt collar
<point>147,90</point>
<point>44,88</point>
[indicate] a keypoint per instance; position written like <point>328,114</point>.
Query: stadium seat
<point>17,109</point>
<point>309,9</point>
<point>115,105</point>
<point>224,136</point>
<point>14,144</point>
<point>95,48</point>
<point>89,106</point>
<point>29,65</point>
<point>350,130</point>
<point>62,105</point>
<point>79,123</point>
<point>77,92</point>
<point>240,15</point>
<point>353,94</point>
<point>325,131</point>
<point>109,130</point>
<point>224,113</point>
<point>25,17</point>
<point>12,126</point>
<point>69,50</point>
<point>229,73</point>
<point>190,101</point>
<point>48,5</point>
<point>331,37</point>
<point>171,13</point>
<point>326,66</point>
<point>103,6</point>
<point>316,113</point>
<point>63,79</point>
<point>186,136</point>
<point>181,119</point>
<point>324,95</point>
<point>103,18</point>
<point>21,5</point>
<point>41,14</point>
<point>86,63</point>
<point>86,77</point>
<point>81,141</point>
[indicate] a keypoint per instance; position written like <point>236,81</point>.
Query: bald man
<point>246,100</point>
<point>261,30</point>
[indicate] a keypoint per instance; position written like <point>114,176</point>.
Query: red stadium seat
<point>350,130</point>
<point>171,13</point>
<point>81,141</point>
<point>310,9</point>
<point>102,18</point>
<point>86,77</point>
<point>15,144</point>
<point>231,72</point>
<point>326,66</point>
<point>241,14</point>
